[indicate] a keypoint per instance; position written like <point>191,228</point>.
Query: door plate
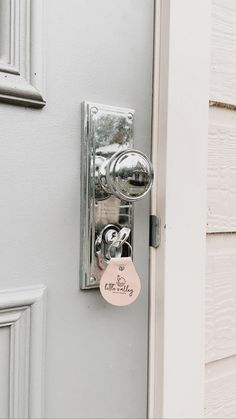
<point>106,130</point>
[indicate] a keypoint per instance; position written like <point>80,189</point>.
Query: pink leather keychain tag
<point>120,283</point>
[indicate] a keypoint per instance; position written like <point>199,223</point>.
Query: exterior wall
<point>220,401</point>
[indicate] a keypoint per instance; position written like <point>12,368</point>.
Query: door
<point>66,352</point>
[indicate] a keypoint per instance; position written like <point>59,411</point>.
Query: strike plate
<point>105,131</point>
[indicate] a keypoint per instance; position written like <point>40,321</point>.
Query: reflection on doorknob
<point>127,174</point>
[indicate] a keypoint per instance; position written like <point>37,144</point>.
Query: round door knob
<point>127,175</point>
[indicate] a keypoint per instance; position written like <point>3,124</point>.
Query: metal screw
<point>94,110</point>
<point>130,115</point>
<point>92,279</point>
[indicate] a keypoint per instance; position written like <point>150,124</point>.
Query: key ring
<point>115,245</point>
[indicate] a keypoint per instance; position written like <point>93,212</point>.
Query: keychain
<point>120,283</point>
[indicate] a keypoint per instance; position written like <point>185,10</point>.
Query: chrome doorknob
<point>128,174</point>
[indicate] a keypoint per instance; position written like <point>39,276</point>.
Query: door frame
<point>179,153</point>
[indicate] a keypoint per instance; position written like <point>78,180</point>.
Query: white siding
<point>221,216</point>
<point>221,297</point>
<point>223,52</point>
<point>220,395</point>
<point>221,389</point>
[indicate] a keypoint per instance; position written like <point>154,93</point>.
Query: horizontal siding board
<point>220,389</point>
<point>223,52</point>
<point>221,182</point>
<point>221,296</point>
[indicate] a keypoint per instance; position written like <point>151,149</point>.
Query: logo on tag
<point>120,281</point>
<point>120,289</point>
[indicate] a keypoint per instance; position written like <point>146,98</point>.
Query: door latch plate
<point>155,231</point>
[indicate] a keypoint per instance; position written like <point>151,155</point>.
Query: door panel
<point>96,354</point>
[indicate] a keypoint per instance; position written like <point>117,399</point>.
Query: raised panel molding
<point>21,66</point>
<point>23,311</point>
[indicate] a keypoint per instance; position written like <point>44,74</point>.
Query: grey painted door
<point>96,354</point>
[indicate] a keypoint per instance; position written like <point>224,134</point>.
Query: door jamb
<point>179,154</point>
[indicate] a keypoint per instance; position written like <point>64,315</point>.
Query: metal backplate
<point>105,131</point>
